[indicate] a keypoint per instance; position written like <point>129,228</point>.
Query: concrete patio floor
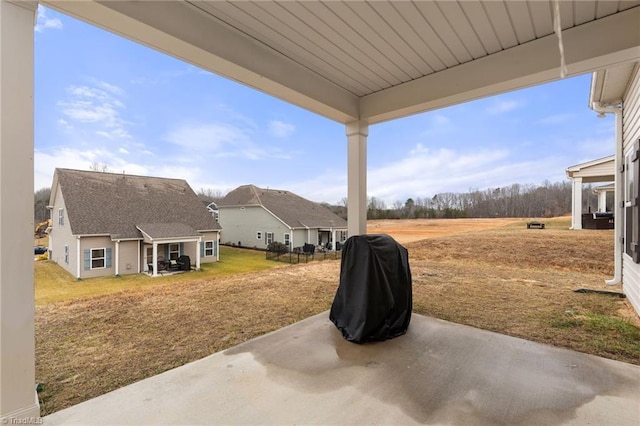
<point>439,373</point>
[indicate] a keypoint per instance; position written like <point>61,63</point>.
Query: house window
<point>60,216</point>
<point>258,235</point>
<point>66,254</point>
<point>174,251</point>
<point>209,248</point>
<point>97,258</point>
<point>287,239</point>
<point>269,238</point>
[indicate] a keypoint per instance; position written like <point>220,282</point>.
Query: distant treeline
<point>516,200</point>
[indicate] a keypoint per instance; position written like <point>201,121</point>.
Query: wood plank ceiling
<point>365,47</point>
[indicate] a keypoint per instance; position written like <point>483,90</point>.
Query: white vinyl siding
<point>631,134</point>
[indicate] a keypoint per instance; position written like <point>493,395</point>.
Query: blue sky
<point>103,99</point>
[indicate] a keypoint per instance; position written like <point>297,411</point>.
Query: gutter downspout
<point>619,187</point>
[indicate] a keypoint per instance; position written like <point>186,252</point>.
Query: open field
<point>503,278</point>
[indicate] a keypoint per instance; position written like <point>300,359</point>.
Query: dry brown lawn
<point>495,275</point>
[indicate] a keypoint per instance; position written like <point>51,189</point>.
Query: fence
<point>291,257</point>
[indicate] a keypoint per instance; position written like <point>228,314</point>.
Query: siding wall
<point>630,134</point>
<point>60,235</point>
<point>127,254</point>
<point>241,225</point>
<point>209,236</point>
<point>89,243</point>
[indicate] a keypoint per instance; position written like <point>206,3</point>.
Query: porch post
<point>602,201</point>
<point>576,203</point>
<point>117,257</point>
<point>18,398</point>
<point>333,238</point>
<point>357,132</point>
<point>198,248</point>
<point>155,259</point>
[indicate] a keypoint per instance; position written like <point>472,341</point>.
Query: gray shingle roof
<point>114,204</point>
<point>295,211</point>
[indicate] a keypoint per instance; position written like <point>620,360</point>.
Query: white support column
<point>79,259</point>
<point>602,201</point>
<point>357,132</point>
<point>576,203</point>
<point>333,240</point>
<point>198,248</point>
<point>155,259</point>
<point>18,398</point>
<point>117,259</point>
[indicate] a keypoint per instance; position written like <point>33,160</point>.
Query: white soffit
<point>377,60</point>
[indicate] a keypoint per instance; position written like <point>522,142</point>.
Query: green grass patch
<point>54,284</point>
<point>600,334</point>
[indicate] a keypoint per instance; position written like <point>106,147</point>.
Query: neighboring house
<point>616,90</point>
<point>115,224</point>
<point>255,217</point>
<point>600,170</point>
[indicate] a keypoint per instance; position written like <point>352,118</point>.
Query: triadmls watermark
<point>22,420</point>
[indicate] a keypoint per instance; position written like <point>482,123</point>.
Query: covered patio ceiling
<point>380,60</point>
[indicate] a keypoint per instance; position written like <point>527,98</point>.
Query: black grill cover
<point>373,301</point>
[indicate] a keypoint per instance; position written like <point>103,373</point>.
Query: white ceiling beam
<point>588,47</point>
<point>212,45</point>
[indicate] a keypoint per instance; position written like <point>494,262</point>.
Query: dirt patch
<point>409,230</point>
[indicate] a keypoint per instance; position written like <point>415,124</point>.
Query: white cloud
<point>425,172</point>
<point>222,140</point>
<point>99,106</point>
<point>501,107</point>
<point>43,22</point>
<point>280,129</point>
<point>557,119</point>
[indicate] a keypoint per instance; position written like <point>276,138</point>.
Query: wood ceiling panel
<point>416,50</point>
<point>606,8</point>
<point>453,51</point>
<point>477,16</point>
<point>365,39</point>
<point>501,23</point>
<point>434,29</point>
<point>566,14</point>
<point>378,31</point>
<point>542,17</point>
<point>521,21</point>
<point>584,11</point>
<point>344,37</point>
<point>297,47</point>
<point>459,22</point>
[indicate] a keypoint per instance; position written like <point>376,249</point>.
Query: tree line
<point>516,200</point>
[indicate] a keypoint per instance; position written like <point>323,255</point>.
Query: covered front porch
<point>437,373</point>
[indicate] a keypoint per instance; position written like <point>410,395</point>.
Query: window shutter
<point>181,249</point>
<point>87,260</point>
<point>215,248</point>
<point>166,252</point>
<point>108,258</point>
<point>635,218</point>
<point>202,244</point>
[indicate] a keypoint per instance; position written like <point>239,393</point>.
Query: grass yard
<point>53,284</point>
<point>496,276</point>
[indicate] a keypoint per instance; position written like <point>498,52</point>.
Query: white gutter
<point>619,188</point>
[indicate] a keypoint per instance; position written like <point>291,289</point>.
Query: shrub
<point>277,247</point>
